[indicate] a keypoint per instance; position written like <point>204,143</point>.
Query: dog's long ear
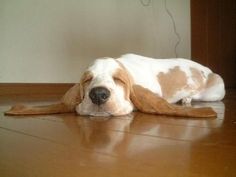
<point>148,102</point>
<point>72,97</point>
<point>67,104</point>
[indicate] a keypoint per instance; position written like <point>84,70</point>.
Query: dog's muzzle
<point>99,95</point>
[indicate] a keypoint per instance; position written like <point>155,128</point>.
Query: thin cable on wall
<point>146,3</point>
<point>175,29</point>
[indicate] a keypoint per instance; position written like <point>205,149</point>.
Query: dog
<point>116,87</point>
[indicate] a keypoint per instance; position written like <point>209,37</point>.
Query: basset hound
<point>115,87</point>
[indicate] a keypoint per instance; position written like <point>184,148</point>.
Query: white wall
<point>54,40</point>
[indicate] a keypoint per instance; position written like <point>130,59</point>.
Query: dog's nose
<point>99,95</point>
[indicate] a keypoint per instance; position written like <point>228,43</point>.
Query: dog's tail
<point>37,110</point>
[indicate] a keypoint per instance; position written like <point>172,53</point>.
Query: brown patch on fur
<point>67,104</point>
<point>122,78</point>
<point>213,79</point>
<point>172,81</point>
<point>72,96</point>
<point>84,82</point>
<point>37,110</point>
<point>131,81</point>
<point>197,77</point>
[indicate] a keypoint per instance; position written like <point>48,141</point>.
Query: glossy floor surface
<point>68,145</point>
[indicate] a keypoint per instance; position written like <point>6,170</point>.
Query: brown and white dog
<point>115,87</point>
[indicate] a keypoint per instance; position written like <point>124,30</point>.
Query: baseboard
<point>33,89</point>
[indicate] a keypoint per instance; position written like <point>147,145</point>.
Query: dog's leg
<point>215,89</point>
<point>186,101</point>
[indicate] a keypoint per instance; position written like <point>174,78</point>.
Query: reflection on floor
<point>134,145</point>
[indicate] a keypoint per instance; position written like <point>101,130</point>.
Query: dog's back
<point>175,79</point>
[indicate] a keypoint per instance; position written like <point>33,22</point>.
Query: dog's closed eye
<point>121,77</point>
<point>84,82</point>
<point>118,80</point>
<point>86,79</point>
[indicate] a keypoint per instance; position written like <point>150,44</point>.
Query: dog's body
<point>118,86</point>
<point>175,79</point>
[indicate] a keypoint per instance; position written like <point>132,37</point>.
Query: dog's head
<point>107,89</point>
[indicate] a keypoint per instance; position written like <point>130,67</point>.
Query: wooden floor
<point>137,145</point>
